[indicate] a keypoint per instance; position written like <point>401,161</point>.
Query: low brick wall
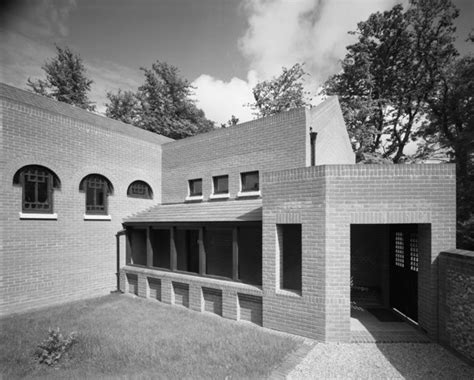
<point>456,301</point>
<point>229,299</point>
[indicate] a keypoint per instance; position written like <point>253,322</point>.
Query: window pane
<point>90,197</point>
<point>219,252</point>
<point>289,236</point>
<point>221,184</point>
<point>29,191</point>
<point>43,192</point>
<point>139,189</point>
<point>36,182</point>
<point>195,187</point>
<point>250,181</point>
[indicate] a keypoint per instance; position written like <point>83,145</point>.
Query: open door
<point>404,269</point>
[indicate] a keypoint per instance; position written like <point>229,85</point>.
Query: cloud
<point>220,100</point>
<point>282,33</point>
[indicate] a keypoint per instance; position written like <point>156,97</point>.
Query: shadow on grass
<point>118,335</point>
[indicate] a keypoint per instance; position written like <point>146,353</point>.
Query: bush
<point>53,348</point>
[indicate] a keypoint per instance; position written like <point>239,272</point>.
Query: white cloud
<point>220,100</point>
<point>281,33</point>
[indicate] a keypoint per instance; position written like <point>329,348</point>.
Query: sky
<point>223,47</point>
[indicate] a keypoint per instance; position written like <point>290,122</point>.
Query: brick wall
<point>267,144</point>
<point>229,299</point>
<point>274,143</point>
<point>456,301</point>
<point>326,200</point>
<point>51,261</point>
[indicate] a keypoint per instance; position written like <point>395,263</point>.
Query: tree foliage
<point>234,120</point>
<point>123,106</point>
<point>66,80</point>
<point>281,93</point>
<point>162,104</point>
<point>449,129</point>
<point>389,73</point>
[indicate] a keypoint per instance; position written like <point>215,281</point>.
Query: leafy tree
<point>449,129</point>
<point>166,104</point>
<point>66,80</point>
<point>281,93</point>
<point>123,106</point>
<point>389,73</point>
<point>162,104</point>
<point>231,122</point>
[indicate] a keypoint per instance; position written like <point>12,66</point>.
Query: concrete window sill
<point>24,215</point>
<point>244,194</point>
<point>219,196</point>
<point>97,217</point>
<point>193,198</point>
<point>289,293</point>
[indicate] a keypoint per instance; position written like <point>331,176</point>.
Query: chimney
<point>312,137</point>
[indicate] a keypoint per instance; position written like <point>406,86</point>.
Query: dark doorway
<point>404,256</point>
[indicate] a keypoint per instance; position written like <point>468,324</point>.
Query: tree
<point>231,122</point>
<point>66,80</point>
<point>123,106</point>
<point>162,104</point>
<point>389,73</point>
<point>449,129</point>
<point>281,93</point>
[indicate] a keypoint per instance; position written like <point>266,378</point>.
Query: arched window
<point>140,189</point>
<point>97,189</point>
<point>38,183</point>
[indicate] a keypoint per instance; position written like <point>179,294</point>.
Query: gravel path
<point>381,361</point>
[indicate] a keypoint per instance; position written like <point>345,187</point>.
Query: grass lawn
<point>121,336</point>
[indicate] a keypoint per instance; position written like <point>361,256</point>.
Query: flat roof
<point>210,211</point>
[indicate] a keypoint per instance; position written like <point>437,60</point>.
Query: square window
<point>195,187</point>
<point>250,181</point>
<point>221,184</point>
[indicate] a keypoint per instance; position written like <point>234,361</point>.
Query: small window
<point>221,184</point>
<point>195,187</point>
<point>97,189</point>
<point>38,183</point>
<point>250,181</point>
<point>289,238</point>
<point>140,189</point>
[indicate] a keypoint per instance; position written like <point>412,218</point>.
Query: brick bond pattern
<point>274,143</point>
<point>51,261</point>
<point>326,200</point>
<point>456,301</point>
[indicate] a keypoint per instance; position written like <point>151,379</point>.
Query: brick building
<point>269,221</point>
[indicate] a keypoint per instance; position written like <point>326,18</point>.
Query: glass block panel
<point>399,250</point>
<point>414,252</point>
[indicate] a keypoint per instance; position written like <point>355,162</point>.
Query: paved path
<point>379,361</point>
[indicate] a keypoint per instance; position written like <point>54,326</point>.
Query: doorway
<point>404,259</point>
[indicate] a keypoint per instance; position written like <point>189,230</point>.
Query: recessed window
<point>38,183</point>
<point>289,240</point>
<point>221,184</point>
<point>195,187</point>
<point>97,189</point>
<point>140,189</point>
<point>250,181</point>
